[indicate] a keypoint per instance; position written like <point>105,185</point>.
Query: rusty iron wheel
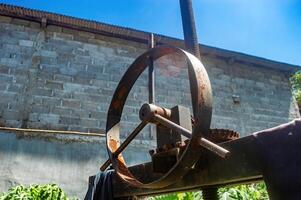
<point>201,97</point>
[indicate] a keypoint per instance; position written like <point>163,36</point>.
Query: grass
<point>256,191</point>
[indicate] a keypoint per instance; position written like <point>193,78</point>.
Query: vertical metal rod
<point>210,193</point>
<point>151,72</point>
<point>192,45</point>
<point>188,23</point>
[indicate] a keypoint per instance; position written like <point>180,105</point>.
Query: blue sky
<point>264,28</point>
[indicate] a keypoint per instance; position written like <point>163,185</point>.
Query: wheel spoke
<point>130,138</point>
<point>125,143</point>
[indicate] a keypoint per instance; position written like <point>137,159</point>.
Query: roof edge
<point>135,35</point>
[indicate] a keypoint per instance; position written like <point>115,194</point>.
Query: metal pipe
<point>169,124</point>
<point>151,72</point>
<point>147,111</point>
<point>192,45</point>
<point>188,23</point>
<point>222,152</point>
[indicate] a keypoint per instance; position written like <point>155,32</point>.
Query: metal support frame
<point>271,155</point>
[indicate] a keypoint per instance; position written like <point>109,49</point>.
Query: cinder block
<point>92,90</point>
<point>62,94</point>
<point>3,86</point>
<point>83,81</point>
<point>81,38</point>
<point>48,61</point>
<point>15,88</point>
<point>89,122</point>
<point>71,103</point>
<point>10,62</point>
<point>63,36</point>
<point>39,108</point>
<point>48,53</point>
<point>80,113</point>
<point>59,127</point>
<point>96,130</point>
<point>98,115</point>
<point>5,19</point>
<point>54,28</point>
<point>49,118</point>
<point>73,87</point>
<point>86,34</point>
<point>77,128</point>
<point>35,25</point>
<point>70,31</point>
<point>61,111</point>
<point>69,120</point>
<point>63,78</point>
<point>21,22</point>
<point>51,101</point>
<point>6,78</point>
<point>41,92</point>
<point>12,115</point>
<point>11,123</point>
<point>26,43</point>
<point>33,117</point>
<point>89,106</point>
<point>54,85</point>
<point>70,71</point>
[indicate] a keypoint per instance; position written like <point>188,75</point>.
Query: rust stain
<point>122,92</point>
<point>116,104</point>
<point>113,144</point>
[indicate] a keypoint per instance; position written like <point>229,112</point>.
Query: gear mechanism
<point>222,135</point>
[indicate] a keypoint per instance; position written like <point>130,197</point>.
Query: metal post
<point>210,193</point>
<point>151,72</point>
<point>192,45</point>
<point>188,23</point>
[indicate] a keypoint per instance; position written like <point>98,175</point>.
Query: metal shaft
<point>188,23</point>
<point>172,125</point>
<point>202,141</point>
<point>210,193</point>
<point>124,144</point>
<point>151,72</point>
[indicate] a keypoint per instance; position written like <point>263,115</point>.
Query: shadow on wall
<point>70,148</point>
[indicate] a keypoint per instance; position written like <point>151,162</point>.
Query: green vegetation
<point>296,86</point>
<point>35,192</point>
<point>256,191</point>
<point>179,196</point>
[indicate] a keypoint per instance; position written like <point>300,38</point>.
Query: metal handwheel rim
<point>202,108</point>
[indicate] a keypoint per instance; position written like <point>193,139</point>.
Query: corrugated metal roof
<point>81,24</point>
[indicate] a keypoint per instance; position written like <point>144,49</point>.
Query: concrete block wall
<point>63,79</point>
<point>67,160</point>
<point>265,97</point>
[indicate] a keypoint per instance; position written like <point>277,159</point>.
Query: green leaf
<point>35,192</point>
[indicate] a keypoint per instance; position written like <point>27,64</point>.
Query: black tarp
<point>100,186</point>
